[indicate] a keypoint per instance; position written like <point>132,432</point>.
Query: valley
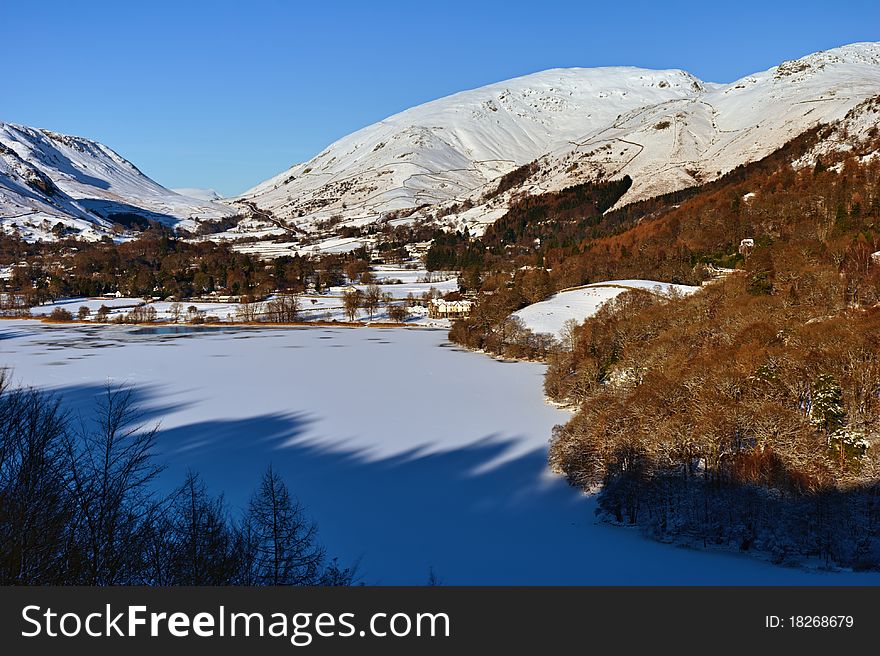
<point>504,335</point>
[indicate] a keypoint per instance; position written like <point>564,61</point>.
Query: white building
<point>441,309</point>
<point>746,246</point>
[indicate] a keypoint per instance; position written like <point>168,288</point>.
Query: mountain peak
<point>665,128</point>
<point>49,179</point>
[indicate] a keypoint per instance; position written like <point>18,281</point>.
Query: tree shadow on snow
<point>129,216</point>
<point>82,402</point>
<point>475,515</point>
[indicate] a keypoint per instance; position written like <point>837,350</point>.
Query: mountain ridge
<point>52,184</point>
<point>442,161</point>
<point>711,129</point>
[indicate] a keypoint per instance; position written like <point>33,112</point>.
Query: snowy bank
<point>580,303</point>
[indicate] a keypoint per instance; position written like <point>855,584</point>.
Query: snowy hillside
<point>683,143</point>
<point>48,178</point>
<point>199,194</point>
<point>550,315</point>
<point>446,148</point>
<point>666,129</point>
<point>856,133</point>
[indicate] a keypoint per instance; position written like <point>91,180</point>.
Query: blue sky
<point>225,94</point>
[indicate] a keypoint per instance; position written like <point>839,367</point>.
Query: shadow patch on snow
<point>13,334</point>
<point>129,216</point>
<point>402,514</point>
<point>238,436</point>
<point>151,401</point>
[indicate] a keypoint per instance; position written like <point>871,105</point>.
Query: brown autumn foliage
<point>748,414</point>
<point>817,209</point>
<point>736,418</point>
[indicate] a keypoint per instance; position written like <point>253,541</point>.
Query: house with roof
<point>439,308</point>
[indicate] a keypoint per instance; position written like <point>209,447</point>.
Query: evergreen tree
<point>827,410</point>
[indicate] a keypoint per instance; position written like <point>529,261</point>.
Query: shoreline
<point>230,324</point>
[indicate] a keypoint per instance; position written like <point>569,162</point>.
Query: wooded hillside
<point>748,414</point>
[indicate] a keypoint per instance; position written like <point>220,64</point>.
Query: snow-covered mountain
<point>445,149</point>
<point>682,143</point>
<point>666,129</point>
<point>48,179</point>
<point>200,194</point>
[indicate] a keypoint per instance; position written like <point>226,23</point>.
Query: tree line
<point>161,263</point>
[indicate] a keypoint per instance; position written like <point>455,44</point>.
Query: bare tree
<point>569,334</point>
<point>397,312</point>
<point>247,310</point>
<point>372,299</point>
<point>141,314</point>
<point>36,511</point>
<point>285,550</point>
<point>112,467</point>
<point>336,575</point>
<point>352,301</point>
<point>283,308</point>
<point>60,314</point>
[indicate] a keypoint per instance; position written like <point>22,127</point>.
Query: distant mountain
<point>199,194</point>
<point>462,159</point>
<point>51,183</point>
<point>666,129</point>
<point>445,149</point>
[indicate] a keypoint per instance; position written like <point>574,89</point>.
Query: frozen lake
<point>410,453</point>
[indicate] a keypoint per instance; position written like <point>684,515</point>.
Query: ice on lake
<point>411,453</point>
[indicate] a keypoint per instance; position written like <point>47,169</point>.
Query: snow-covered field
<point>411,454</point>
<point>72,305</point>
<point>397,282</point>
<point>313,307</point>
<point>550,315</point>
<point>272,249</point>
<point>411,282</point>
<point>121,306</point>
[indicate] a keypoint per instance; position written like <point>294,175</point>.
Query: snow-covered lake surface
<point>410,453</point>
